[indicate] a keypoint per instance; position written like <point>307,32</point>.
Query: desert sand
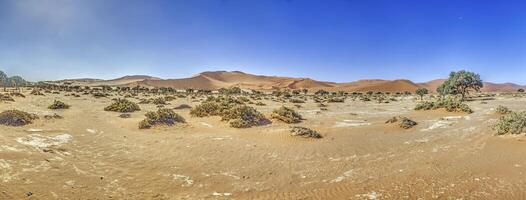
<point>94,154</point>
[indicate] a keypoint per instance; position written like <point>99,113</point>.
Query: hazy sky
<point>327,40</point>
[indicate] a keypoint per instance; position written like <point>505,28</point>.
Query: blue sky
<point>340,40</point>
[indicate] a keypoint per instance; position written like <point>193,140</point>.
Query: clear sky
<point>331,40</point>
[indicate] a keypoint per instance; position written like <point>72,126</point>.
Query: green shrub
<point>16,118</point>
<point>58,105</point>
<point>502,110</point>
<point>287,115</point>
<point>450,104</point>
<point>122,105</point>
<point>163,116</point>
<point>511,123</point>
<point>304,132</point>
<point>242,116</point>
<point>214,106</point>
<point>403,122</point>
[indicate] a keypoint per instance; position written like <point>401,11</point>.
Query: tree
<point>3,79</point>
<point>460,82</point>
<point>421,92</point>
<point>305,91</point>
<point>520,90</point>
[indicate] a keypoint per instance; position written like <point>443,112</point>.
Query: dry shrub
<point>287,115</point>
<point>4,97</point>
<point>183,106</point>
<point>58,105</point>
<point>122,105</point>
<point>159,101</point>
<point>17,94</point>
<point>304,132</point>
<point>403,122</point>
<point>36,92</point>
<point>163,116</point>
<point>16,118</point>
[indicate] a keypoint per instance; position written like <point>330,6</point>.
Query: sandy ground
<point>94,154</point>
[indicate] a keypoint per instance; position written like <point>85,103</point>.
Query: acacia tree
<point>520,90</point>
<point>460,82</point>
<point>421,92</point>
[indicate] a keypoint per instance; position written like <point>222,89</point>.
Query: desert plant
<point>36,92</point>
<point>403,122</point>
<point>502,110</point>
<point>122,105</point>
<point>183,106</point>
<point>450,104</point>
<point>336,100</point>
<point>4,97</point>
<point>16,118</point>
<point>460,82</point>
<point>520,90</point>
<point>296,101</point>
<point>163,116</point>
<point>421,92</point>
<point>58,105</point>
<point>511,123</point>
<point>304,132</point>
<point>159,101</point>
<point>242,116</point>
<point>287,115</point>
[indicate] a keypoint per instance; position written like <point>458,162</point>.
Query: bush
<point>243,116</point>
<point>58,105</point>
<point>213,106</point>
<point>122,105</point>
<point>450,104</point>
<point>163,116</point>
<point>336,100</point>
<point>6,98</point>
<point>159,101</point>
<point>287,115</point>
<point>36,92</point>
<point>502,110</point>
<point>304,132</point>
<point>296,101</point>
<point>403,122</point>
<point>125,115</point>
<point>16,118</point>
<point>511,123</point>
<point>183,106</point>
<point>17,94</point>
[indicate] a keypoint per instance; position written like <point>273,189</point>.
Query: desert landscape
<point>232,135</point>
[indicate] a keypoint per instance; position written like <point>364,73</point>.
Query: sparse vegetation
<point>122,105</point>
<point>183,106</point>
<point>16,118</point>
<point>4,97</point>
<point>304,132</point>
<point>287,115</point>
<point>421,92</point>
<point>502,110</point>
<point>163,116</point>
<point>460,82</point>
<point>403,122</point>
<point>450,104</point>
<point>58,105</point>
<point>36,92</point>
<point>242,116</point>
<point>511,123</point>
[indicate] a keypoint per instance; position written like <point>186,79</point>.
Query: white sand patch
<point>217,194</point>
<point>34,130</point>
<point>39,141</point>
<point>91,131</point>
<point>228,137</point>
<point>438,124</point>
<point>352,123</point>
<point>230,174</point>
<point>206,124</point>
<point>186,180</point>
<point>342,177</point>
